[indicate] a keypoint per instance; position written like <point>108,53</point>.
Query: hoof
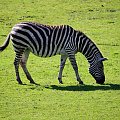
<point>81,83</point>
<point>60,82</point>
<point>32,82</point>
<point>20,83</point>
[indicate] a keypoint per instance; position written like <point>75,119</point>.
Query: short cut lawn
<point>100,20</point>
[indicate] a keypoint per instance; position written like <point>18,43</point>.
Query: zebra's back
<point>42,40</point>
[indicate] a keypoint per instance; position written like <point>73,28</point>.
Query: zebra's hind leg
<point>23,63</point>
<point>16,64</point>
<point>62,64</point>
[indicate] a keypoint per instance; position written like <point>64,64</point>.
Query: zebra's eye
<point>100,66</point>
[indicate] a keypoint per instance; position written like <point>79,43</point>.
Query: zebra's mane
<point>90,47</point>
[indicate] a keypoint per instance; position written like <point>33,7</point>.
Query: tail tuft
<point>6,43</point>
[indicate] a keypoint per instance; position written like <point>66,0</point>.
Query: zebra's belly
<point>49,53</point>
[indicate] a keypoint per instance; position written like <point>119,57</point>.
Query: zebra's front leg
<point>62,64</point>
<point>75,67</point>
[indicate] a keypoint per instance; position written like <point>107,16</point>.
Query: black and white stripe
<point>47,41</point>
<point>44,41</point>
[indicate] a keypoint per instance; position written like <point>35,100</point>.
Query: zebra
<point>46,41</point>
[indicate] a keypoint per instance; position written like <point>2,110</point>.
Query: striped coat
<point>47,41</point>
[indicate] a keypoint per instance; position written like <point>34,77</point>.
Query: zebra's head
<point>97,71</point>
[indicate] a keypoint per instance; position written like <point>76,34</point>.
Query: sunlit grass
<point>70,101</point>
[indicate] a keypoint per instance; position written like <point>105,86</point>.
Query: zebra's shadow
<point>85,87</point>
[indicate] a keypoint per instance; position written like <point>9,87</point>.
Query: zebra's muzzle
<point>100,80</point>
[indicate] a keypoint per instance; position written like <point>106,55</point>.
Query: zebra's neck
<point>88,49</point>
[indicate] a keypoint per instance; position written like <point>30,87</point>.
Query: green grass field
<point>100,20</point>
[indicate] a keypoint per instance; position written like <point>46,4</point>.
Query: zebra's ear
<point>102,59</point>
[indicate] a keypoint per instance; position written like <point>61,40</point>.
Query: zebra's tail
<point>6,43</point>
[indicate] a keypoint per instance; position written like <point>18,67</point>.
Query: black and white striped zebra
<point>47,41</point>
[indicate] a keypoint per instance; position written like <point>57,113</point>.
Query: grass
<point>50,101</point>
